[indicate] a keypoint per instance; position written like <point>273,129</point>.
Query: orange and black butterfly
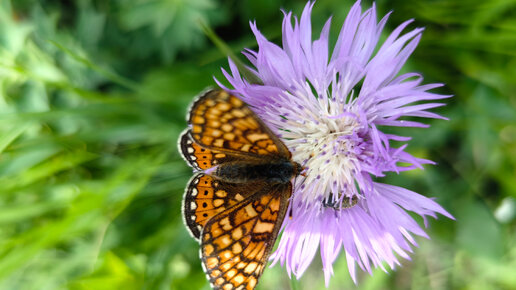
<point>235,204</point>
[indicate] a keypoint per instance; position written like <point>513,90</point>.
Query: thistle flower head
<point>329,109</point>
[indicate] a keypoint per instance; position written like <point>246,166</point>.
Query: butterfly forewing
<point>221,121</point>
<point>235,244</point>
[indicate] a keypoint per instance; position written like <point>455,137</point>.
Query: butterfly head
<point>298,169</point>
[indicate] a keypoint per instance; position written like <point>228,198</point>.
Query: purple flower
<point>329,109</point>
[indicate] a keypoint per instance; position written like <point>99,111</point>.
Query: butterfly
<point>236,202</point>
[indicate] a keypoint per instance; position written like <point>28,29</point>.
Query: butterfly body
<point>274,171</point>
<point>235,204</point>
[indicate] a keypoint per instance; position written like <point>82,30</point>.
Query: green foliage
<point>93,96</point>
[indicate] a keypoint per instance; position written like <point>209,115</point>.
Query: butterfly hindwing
<point>201,158</point>
<point>207,196</point>
<point>221,121</point>
<point>236,243</point>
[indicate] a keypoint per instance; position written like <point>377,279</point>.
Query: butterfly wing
<point>206,196</point>
<point>222,122</point>
<point>201,158</point>
<point>236,243</point>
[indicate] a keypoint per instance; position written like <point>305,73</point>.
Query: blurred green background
<point>93,95</point>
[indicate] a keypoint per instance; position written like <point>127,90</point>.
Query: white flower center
<point>328,144</point>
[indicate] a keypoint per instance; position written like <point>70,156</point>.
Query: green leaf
<point>478,232</point>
